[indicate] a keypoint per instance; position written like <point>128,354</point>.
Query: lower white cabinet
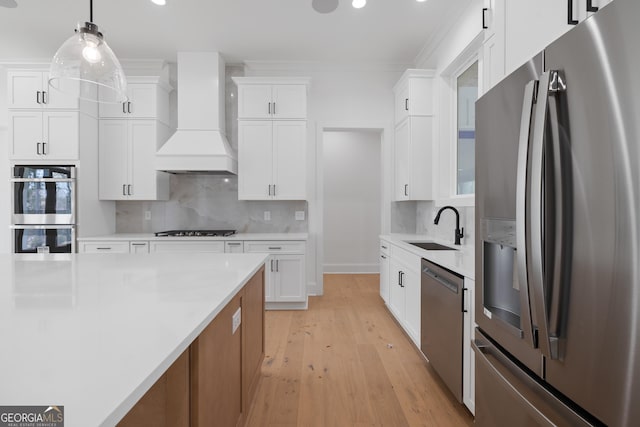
<point>139,247</point>
<point>213,246</point>
<point>384,271</point>
<point>285,274</point>
<point>95,247</point>
<point>233,247</point>
<point>404,291</point>
<point>468,359</point>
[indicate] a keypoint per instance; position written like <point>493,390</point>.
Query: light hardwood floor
<point>345,362</point>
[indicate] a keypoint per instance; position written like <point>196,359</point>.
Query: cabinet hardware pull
<point>44,148</point>
<point>406,187</point>
<point>103,249</point>
<point>269,189</point>
<point>272,265</point>
<point>591,7</point>
<point>274,189</point>
<point>129,107</point>
<point>138,244</point>
<point>383,257</point>
<point>45,97</point>
<point>38,148</point>
<point>275,248</point>
<point>233,243</point>
<point>464,306</point>
<point>570,19</point>
<point>384,247</point>
<point>124,189</point>
<point>124,108</point>
<point>406,104</point>
<point>269,108</point>
<point>277,265</point>
<point>274,108</point>
<point>484,22</point>
<point>38,97</point>
<point>129,187</point>
<point>399,278</point>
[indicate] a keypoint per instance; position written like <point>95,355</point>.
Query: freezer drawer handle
<point>570,19</point>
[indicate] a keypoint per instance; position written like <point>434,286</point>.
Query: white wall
<point>348,96</point>
<point>5,173</point>
<point>352,197</point>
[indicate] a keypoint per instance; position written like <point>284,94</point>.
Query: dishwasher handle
<point>439,279</point>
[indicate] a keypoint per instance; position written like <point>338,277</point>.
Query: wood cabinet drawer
<point>104,247</point>
<point>273,247</point>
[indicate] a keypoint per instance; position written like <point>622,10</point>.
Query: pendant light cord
<point>91,11</point>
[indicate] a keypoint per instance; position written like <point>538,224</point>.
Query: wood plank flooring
<point>345,362</point>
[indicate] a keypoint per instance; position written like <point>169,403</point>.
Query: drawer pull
<point>103,249</point>
<point>138,244</point>
<point>275,248</point>
<point>233,243</point>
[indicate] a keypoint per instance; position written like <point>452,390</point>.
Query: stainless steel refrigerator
<point>558,232</point>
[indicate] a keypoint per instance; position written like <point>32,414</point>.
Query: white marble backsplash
<point>209,202</point>
<point>426,213</point>
<point>403,217</point>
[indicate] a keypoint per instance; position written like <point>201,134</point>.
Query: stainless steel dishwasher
<point>442,311</point>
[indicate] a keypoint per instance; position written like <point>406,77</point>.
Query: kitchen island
<point>95,332</point>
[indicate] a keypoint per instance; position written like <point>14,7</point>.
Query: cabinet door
<point>290,282</point>
<point>396,292</point>
<point>24,89</point>
<point>384,278</point>
<point>289,160</point>
<point>142,140</point>
<point>254,101</point>
<point>289,102</point>
<point>411,283</point>
<point>104,247</point>
<point>255,160</point>
<point>402,102</point>
<point>233,247</point>
<point>60,135</point>
<point>113,146</point>
<point>401,162</point>
<point>270,280</point>
<point>532,25</point>
<point>143,101</point>
<point>25,135</point>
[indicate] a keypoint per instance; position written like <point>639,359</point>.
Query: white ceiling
<point>385,31</point>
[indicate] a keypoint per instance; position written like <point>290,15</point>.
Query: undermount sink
<point>432,246</point>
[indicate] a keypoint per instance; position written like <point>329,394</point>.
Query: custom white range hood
<point>199,145</point>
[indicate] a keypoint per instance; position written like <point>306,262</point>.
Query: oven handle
<point>43,180</point>
<point>41,227</point>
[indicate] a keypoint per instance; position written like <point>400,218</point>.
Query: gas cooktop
<point>195,233</point>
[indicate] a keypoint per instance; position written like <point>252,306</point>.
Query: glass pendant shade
<point>85,64</point>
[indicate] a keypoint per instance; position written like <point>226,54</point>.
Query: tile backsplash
<point>209,202</point>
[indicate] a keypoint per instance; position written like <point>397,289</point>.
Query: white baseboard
<point>351,268</point>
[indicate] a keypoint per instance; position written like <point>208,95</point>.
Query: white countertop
<point>93,332</point>
<point>461,260</point>
<point>238,236</point>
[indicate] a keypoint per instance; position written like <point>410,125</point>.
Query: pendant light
<point>86,63</point>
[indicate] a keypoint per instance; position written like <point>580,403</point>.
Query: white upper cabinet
<point>148,99</point>
<point>274,98</point>
<point>493,48</point>
<point>413,142</point>
<point>29,89</point>
<point>49,135</point>
<point>414,94</point>
<point>126,172</point>
<point>271,160</point>
<point>272,151</point>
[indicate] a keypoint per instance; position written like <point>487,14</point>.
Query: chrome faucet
<point>459,231</point>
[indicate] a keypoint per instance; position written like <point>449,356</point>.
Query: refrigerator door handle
<point>522,219</point>
<point>536,273</point>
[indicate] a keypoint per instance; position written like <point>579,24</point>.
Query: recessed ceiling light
<point>160,2</point>
<point>359,4</point>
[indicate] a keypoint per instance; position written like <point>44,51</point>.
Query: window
<point>466,85</point>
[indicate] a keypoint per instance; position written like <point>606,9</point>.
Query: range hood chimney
<point>199,145</point>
